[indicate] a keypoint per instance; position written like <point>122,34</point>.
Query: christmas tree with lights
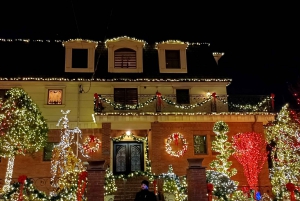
<point>250,151</point>
<point>23,129</point>
<point>110,183</point>
<point>224,149</point>
<point>284,132</point>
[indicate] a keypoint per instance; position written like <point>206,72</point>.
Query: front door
<point>128,157</point>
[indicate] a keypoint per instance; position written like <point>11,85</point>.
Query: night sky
<point>261,42</point>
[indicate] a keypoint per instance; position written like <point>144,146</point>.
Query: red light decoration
<point>250,151</point>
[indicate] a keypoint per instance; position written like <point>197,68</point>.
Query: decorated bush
<point>223,185</point>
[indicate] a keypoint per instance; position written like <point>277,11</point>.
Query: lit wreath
<point>175,137</point>
<point>87,144</point>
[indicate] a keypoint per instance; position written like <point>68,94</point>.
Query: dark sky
<point>260,41</point>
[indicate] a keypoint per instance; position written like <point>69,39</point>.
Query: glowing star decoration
<point>224,148</point>
<point>63,159</point>
<point>23,129</point>
<point>284,133</point>
<point>175,137</point>
<point>250,151</point>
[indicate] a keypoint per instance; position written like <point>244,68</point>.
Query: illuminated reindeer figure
<point>63,157</point>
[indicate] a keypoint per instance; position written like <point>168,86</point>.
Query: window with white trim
<point>172,57</point>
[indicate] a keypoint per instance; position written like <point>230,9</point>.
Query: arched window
<point>125,58</point>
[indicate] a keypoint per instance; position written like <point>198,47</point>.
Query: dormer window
<point>80,56</point>
<point>125,55</point>
<point>172,57</point>
<point>125,58</point>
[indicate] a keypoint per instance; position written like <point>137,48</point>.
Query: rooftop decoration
<point>62,79</point>
<point>78,40</point>
<point>124,38</point>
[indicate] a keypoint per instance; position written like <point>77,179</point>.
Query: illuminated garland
<point>64,79</point>
<point>174,138</point>
<point>31,193</point>
<point>141,105</point>
<point>261,106</point>
<point>89,141</point>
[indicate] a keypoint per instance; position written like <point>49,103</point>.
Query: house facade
<point>132,96</point>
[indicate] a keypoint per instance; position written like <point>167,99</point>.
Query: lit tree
<point>250,151</point>
<point>224,148</point>
<point>223,186</point>
<point>285,134</point>
<point>174,184</point>
<point>22,126</point>
<point>110,183</point>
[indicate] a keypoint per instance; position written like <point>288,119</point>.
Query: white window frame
<point>80,44</point>
<point>172,45</point>
<point>125,42</point>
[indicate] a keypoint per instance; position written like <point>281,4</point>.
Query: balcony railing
<point>104,103</point>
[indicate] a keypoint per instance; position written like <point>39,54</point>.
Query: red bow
<point>176,136</point>
<point>291,188</point>
<point>159,99</point>
<point>214,95</point>
<point>21,180</point>
<point>81,184</point>
<point>154,186</point>
<point>92,138</point>
<point>210,188</point>
<point>272,100</point>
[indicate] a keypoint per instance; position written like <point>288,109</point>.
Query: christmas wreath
<point>89,141</point>
<point>175,138</point>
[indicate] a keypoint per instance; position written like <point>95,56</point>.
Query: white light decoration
<point>9,171</point>
<point>61,151</point>
<point>174,138</point>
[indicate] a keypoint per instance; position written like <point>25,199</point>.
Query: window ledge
<point>59,106</point>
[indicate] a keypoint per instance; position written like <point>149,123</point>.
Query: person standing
<point>144,194</point>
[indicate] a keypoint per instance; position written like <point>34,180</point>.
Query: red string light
<point>250,151</point>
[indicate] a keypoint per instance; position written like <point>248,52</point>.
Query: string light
<point>89,141</point>
<point>110,183</point>
<point>124,38</point>
<point>23,129</point>
<point>284,133</point>
<point>117,79</point>
<point>223,186</point>
<point>253,108</point>
<point>174,137</point>
<point>250,151</point>
<point>63,159</point>
<point>174,184</point>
